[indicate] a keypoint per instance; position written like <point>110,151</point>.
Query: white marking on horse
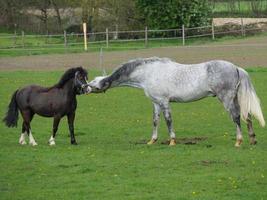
<point>32,140</point>
<point>22,139</point>
<point>52,141</point>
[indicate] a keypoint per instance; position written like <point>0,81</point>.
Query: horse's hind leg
<point>231,105</point>
<point>251,134</point>
<point>156,116</point>
<point>55,127</point>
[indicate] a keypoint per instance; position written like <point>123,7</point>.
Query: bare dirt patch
<point>213,162</point>
<point>248,52</point>
<point>186,141</point>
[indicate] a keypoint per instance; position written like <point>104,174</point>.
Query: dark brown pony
<point>56,101</point>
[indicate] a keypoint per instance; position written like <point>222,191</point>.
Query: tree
<point>160,14</point>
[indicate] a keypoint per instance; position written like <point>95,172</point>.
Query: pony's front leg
<point>168,119</point>
<point>156,117</point>
<point>55,127</point>
<point>71,118</point>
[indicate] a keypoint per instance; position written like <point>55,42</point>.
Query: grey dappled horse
<point>164,81</point>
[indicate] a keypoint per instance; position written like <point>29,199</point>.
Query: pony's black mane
<point>69,74</point>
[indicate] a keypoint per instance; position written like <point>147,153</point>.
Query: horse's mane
<point>69,74</point>
<point>127,68</point>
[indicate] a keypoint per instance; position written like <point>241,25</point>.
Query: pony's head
<point>80,81</point>
<point>99,84</point>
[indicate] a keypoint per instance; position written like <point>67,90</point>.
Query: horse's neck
<point>125,81</point>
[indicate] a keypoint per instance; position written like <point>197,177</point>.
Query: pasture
<point>111,160</point>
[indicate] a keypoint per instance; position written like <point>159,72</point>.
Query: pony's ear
<point>77,73</point>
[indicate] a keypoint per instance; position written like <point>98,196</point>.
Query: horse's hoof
<point>172,142</point>
<point>74,143</point>
<point>152,141</point>
<point>253,142</point>
<point>238,143</point>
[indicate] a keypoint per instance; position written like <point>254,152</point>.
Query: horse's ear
<point>104,73</point>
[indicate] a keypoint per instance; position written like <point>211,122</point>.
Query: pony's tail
<point>12,114</point>
<point>248,100</point>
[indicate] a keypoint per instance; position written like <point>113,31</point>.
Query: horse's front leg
<point>156,117</point>
<point>168,119</point>
<point>54,131</point>
<point>71,118</point>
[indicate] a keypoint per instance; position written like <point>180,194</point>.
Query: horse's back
<point>187,82</point>
<point>176,82</point>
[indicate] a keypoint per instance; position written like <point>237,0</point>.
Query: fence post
<point>212,30</point>
<point>183,34</point>
<point>15,35</point>
<point>85,36</point>
<point>22,38</point>
<point>146,42</point>
<point>116,36</point>
<point>104,73</point>
<point>242,27</point>
<point>107,37</point>
<point>65,38</point>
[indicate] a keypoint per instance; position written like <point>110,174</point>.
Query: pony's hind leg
<point>156,116</point>
<point>251,133</point>
<point>27,117</point>
<point>22,139</point>
<point>55,127</point>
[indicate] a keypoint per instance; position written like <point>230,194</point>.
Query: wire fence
<point>135,39</point>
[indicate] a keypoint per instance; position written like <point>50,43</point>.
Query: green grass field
<point>111,162</point>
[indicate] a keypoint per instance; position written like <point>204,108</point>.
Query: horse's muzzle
<point>86,89</point>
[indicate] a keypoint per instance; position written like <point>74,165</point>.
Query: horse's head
<point>80,82</point>
<point>99,84</point>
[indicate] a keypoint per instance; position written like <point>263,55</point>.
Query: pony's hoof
<point>152,141</point>
<point>74,143</point>
<point>51,142</point>
<point>172,142</point>
<point>22,142</point>
<point>33,144</point>
<point>238,143</point>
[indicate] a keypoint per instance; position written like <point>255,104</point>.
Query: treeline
<point>51,16</point>
<point>239,8</point>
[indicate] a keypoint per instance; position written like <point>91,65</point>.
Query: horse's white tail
<point>248,100</point>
